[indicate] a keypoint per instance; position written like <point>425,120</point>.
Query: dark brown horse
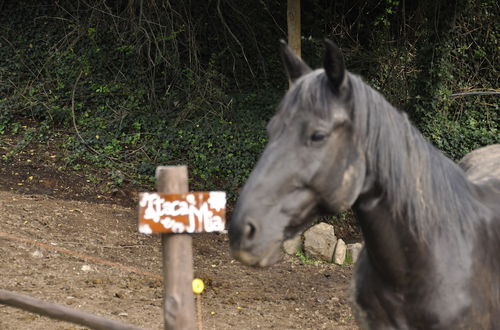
<point>431,227</point>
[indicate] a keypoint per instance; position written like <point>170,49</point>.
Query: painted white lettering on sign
<point>200,213</point>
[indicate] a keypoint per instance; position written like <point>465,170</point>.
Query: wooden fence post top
<point>172,179</point>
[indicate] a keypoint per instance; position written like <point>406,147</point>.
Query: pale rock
<point>340,252</point>
<point>86,268</point>
<point>319,242</point>
<point>37,254</point>
<point>292,245</point>
<point>355,249</point>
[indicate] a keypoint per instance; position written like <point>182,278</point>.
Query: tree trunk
<point>293,20</point>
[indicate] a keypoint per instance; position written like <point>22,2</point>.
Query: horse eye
<point>318,136</point>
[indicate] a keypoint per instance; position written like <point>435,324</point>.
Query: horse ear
<point>294,66</point>
<point>334,65</point>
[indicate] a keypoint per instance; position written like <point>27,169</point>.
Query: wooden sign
<point>194,212</point>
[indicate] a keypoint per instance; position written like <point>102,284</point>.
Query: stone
<point>292,245</point>
<point>319,242</point>
<point>340,252</point>
<point>354,249</point>
<point>86,268</point>
<point>37,254</point>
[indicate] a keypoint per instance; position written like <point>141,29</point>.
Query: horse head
<point>312,164</point>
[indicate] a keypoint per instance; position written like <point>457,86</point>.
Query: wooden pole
<point>61,312</point>
<point>178,304</point>
<point>293,21</point>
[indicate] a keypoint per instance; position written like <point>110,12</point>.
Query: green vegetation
<point>308,260</point>
<point>348,258</point>
<point>131,85</point>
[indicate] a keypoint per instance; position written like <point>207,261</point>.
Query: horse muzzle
<point>269,256</point>
<point>250,246</point>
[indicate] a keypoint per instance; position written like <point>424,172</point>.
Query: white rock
<point>86,268</point>
<point>340,252</point>
<point>37,254</point>
<point>319,242</point>
<point>292,245</point>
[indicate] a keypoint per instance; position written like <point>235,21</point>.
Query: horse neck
<point>413,192</point>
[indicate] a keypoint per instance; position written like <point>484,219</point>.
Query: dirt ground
<point>62,241</point>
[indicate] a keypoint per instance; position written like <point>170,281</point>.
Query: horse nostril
<point>249,232</point>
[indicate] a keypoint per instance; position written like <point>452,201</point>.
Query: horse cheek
<point>348,185</point>
<point>352,182</point>
<point>346,188</point>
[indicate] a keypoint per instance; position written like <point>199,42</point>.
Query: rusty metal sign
<point>194,212</point>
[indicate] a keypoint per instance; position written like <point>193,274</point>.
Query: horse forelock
<point>310,93</point>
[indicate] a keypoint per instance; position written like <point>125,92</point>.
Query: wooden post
<point>61,312</point>
<point>293,21</point>
<point>178,304</point>
<point>175,213</point>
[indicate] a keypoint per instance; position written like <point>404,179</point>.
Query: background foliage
<point>134,84</point>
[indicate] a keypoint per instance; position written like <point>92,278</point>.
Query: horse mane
<point>418,181</point>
